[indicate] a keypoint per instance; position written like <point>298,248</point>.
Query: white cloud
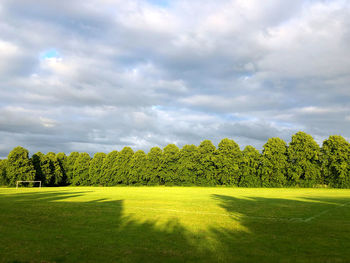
<point>48,123</point>
<point>321,110</point>
<point>311,45</point>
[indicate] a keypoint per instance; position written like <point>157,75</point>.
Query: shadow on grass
<point>278,208</point>
<point>280,230</point>
<point>37,227</point>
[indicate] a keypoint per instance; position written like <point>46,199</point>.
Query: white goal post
<point>28,182</point>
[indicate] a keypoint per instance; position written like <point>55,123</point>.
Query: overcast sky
<point>98,75</point>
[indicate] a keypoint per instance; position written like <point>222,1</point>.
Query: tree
<point>205,168</point>
<point>336,161</point>
<point>138,168</point>
<point>274,163</point>
<point>122,165</point>
<point>70,166</point>
<point>95,169</point>
<point>302,163</point>
<point>250,176</point>
<point>187,164</point>
<point>108,172</point>
<point>19,166</point>
<point>81,170</point>
<point>303,160</point>
<point>42,167</point>
<point>228,160</point>
<point>63,162</point>
<point>154,160</point>
<point>55,177</point>
<point>3,177</point>
<point>168,169</point>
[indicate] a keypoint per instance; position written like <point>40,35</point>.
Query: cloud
<point>97,76</point>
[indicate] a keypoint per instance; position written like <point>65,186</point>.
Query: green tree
<point>168,169</point>
<point>122,165</point>
<point>336,161</point>
<point>19,166</point>
<point>187,164</point>
<point>274,163</point>
<point>55,177</point>
<point>205,168</point>
<point>138,168</point>
<point>228,160</point>
<point>154,161</point>
<point>70,166</point>
<point>81,170</point>
<point>42,167</point>
<point>3,177</point>
<point>303,160</point>
<point>63,162</point>
<point>250,176</point>
<point>108,171</point>
<point>95,169</point>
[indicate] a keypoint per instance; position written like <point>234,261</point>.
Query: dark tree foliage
<point>205,168</point>
<point>274,163</point>
<point>228,160</point>
<point>108,173</point>
<point>187,163</point>
<point>81,170</point>
<point>19,166</point>
<point>168,169</point>
<point>42,167</point>
<point>154,161</point>
<point>63,163</point>
<point>301,164</point>
<point>95,169</point>
<point>336,161</point>
<point>138,169</point>
<point>303,161</point>
<point>3,177</point>
<point>70,166</point>
<point>250,176</point>
<point>55,176</point>
<point>122,166</point>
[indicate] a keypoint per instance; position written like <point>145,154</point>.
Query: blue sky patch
<point>50,53</point>
<point>161,3</point>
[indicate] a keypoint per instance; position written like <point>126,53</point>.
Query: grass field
<point>174,224</point>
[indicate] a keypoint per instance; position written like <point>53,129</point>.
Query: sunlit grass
<point>174,224</point>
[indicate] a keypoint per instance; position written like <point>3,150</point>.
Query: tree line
<point>302,163</point>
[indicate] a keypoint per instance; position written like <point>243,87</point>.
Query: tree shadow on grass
<point>43,226</point>
<point>284,230</point>
<point>52,227</point>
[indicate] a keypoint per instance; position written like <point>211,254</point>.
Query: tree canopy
<point>154,160</point>
<point>187,165</point>
<point>274,163</point>
<point>302,163</point>
<point>336,161</point>
<point>81,170</point>
<point>95,168</point>
<point>228,161</point>
<point>169,163</point>
<point>19,166</point>
<point>250,175</point>
<point>303,160</point>
<point>108,173</point>
<point>205,168</point>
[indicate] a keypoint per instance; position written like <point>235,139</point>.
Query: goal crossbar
<point>28,182</point>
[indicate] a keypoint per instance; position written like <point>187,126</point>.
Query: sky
<point>98,75</point>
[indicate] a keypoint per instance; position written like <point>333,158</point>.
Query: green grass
<point>174,224</point>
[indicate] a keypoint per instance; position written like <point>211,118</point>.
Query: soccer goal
<point>28,182</point>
